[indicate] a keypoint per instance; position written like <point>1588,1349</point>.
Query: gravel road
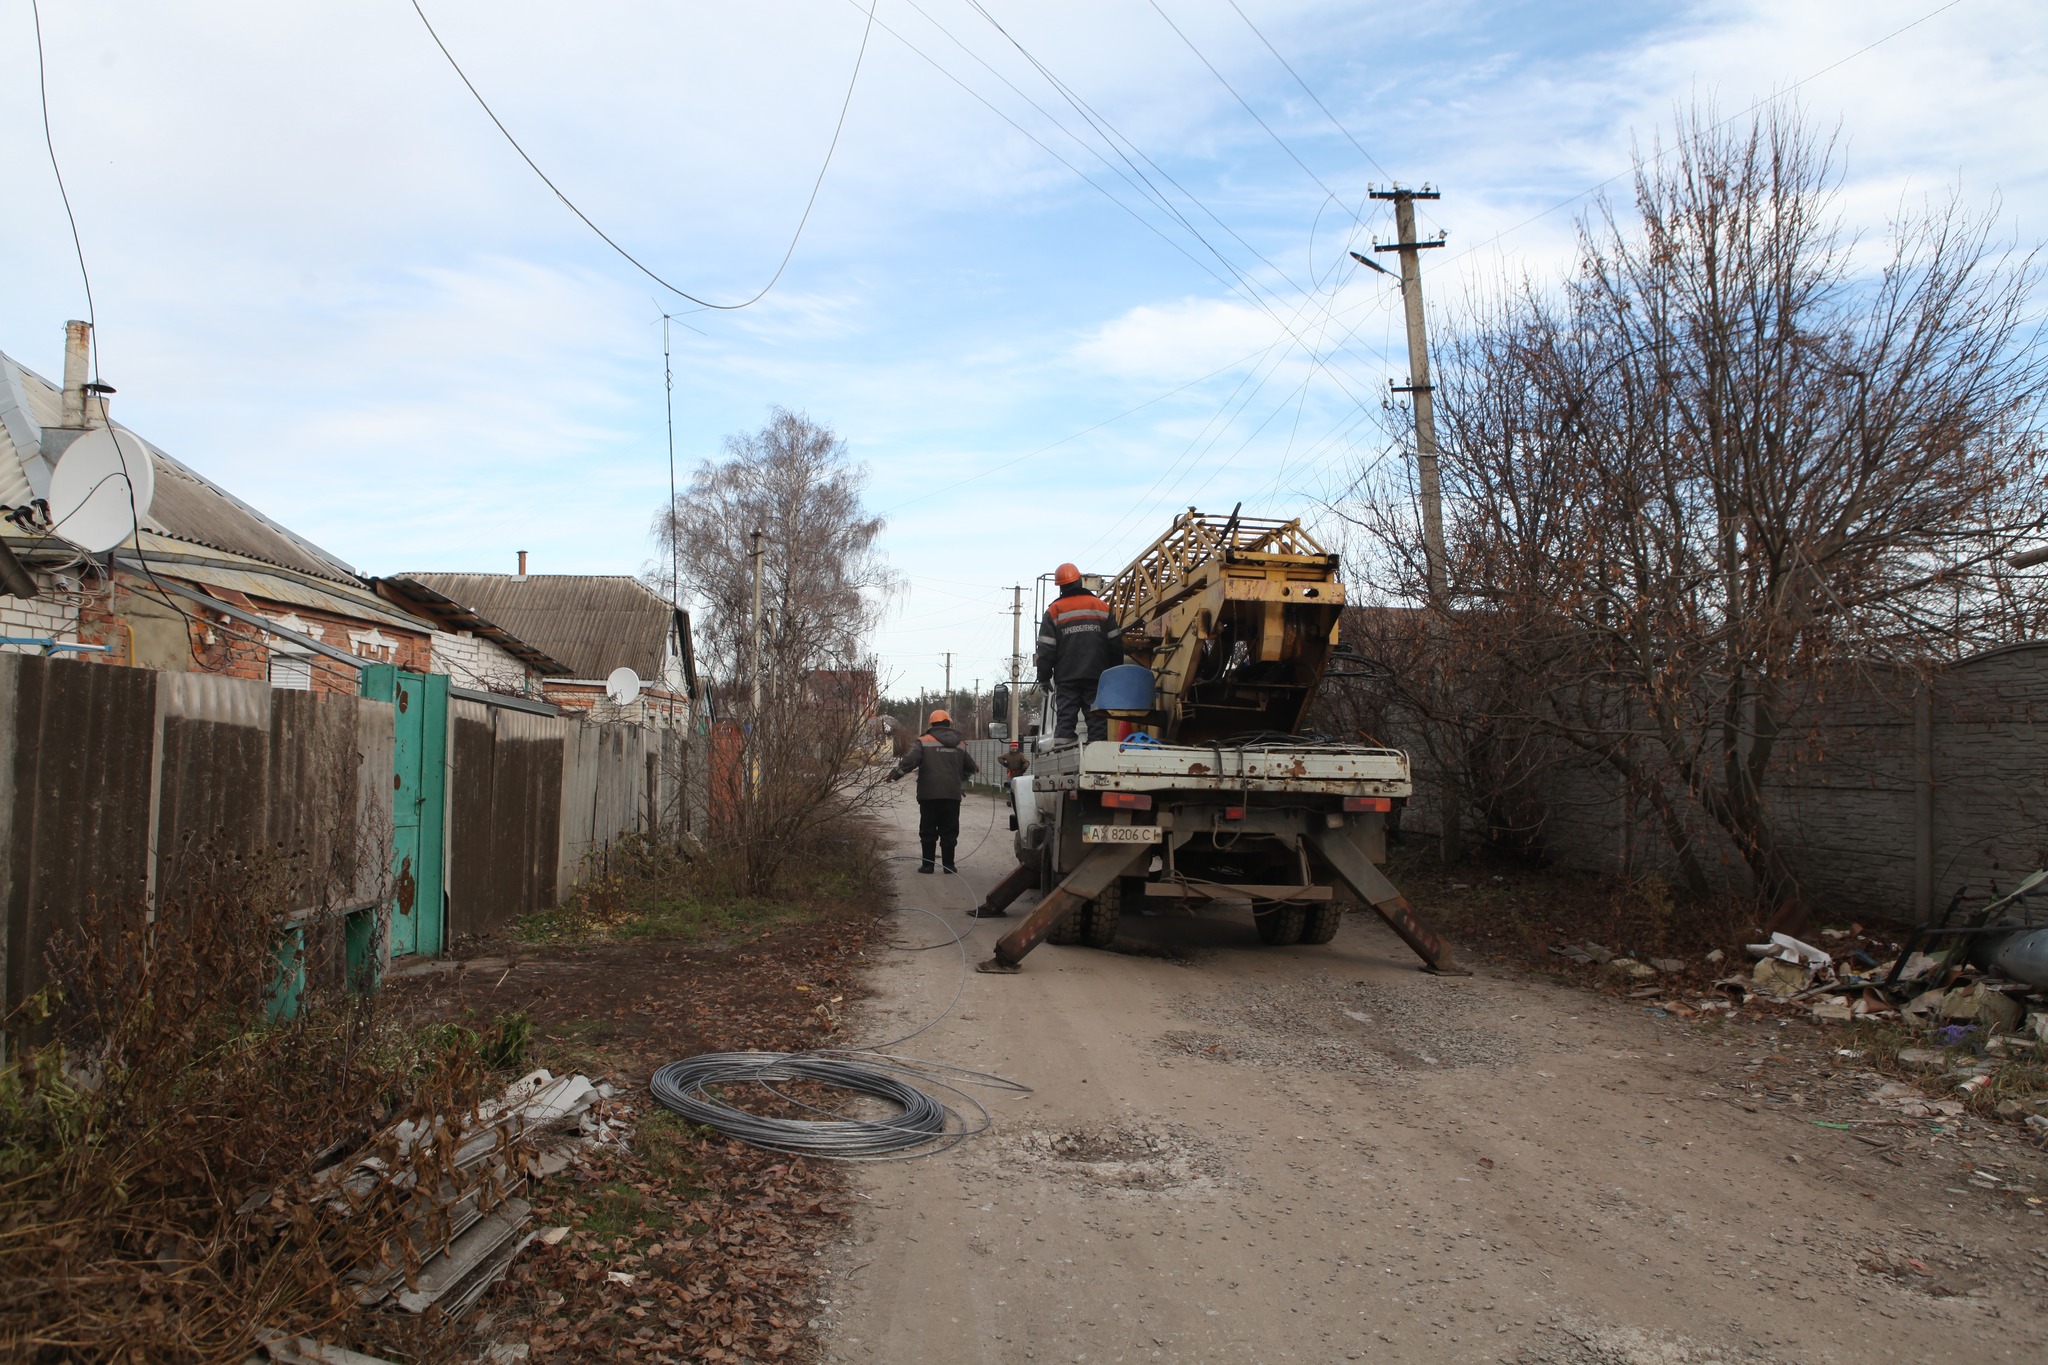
<point>1240,1153</point>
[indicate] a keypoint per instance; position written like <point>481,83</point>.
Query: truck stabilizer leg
<point>996,904</point>
<point>1083,884</point>
<point>1372,886</point>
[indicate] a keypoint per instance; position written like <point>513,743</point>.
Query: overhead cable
<point>1571,199</point>
<point>1370,159</point>
<point>605,237</point>
<point>1225,83</point>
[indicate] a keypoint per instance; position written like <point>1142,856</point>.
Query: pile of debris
<point>463,1179</point>
<point>1657,983</point>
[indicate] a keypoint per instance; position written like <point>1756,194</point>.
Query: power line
<point>1660,155</point>
<point>628,256</point>
<point>35,9</point>
<point>1370,160</point>
<point>1278,140</point>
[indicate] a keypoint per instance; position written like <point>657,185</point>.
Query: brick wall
<point>471,661</point>
<point>46,617</point>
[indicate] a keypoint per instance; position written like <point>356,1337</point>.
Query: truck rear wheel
<point>1098,918</point>
<point>1068,931</point>
<point>1280,925</point>
<point>1319,923</point>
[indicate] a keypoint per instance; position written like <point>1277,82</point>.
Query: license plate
<point>1119,834</point>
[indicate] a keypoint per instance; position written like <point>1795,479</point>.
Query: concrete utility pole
<point>974,711</point>
<point>1451,836</point>
<point>1016,653</point>
<point>756,557</point>
<point>949,680</point>
<point>1418,381</point>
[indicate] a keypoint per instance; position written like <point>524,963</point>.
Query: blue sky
<point>325,281</point>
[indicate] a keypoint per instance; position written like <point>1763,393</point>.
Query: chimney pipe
<point>77,367</point>
<point>522,563</point>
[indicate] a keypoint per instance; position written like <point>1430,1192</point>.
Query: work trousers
<point>1070,700</point>
<point>938,822</point>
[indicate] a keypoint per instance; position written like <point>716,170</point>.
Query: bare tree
<point>804,760</point>
<point>1737,453</point>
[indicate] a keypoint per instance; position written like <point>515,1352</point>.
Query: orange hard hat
<point>938,716</point>
<point>1065,574</point>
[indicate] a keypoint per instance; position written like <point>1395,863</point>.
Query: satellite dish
<point>102,487</point>
<point>622,686</point>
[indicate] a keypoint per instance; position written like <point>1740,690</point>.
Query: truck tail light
<point>1378,803</point>
<point>1233,812</point>
<point>1126,801</point>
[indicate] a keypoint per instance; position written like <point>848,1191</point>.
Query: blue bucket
<point>1125,689</point>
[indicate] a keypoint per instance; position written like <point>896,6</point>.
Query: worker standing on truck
<point>943,768</point>
<point>1077,640</point>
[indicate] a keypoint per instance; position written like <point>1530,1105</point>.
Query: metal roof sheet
<point>190,507</point>
<point>252,578</point>
<point>594,623</point>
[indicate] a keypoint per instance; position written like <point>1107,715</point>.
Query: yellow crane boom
<point>1236,617</point>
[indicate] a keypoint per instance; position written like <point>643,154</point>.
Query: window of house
<point>293,672</point>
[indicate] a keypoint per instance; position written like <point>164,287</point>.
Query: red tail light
<point>1378,803</point>
<point>1126,801</point>
<point>1233,812</point>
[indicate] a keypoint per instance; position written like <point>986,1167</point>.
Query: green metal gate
<point>419,801</point>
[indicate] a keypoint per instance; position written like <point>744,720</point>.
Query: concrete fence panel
<point>122,785</point>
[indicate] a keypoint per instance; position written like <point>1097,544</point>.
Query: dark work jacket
<point>943,767</point>
<point>1078,637</point>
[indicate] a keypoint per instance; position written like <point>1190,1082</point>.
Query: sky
<point>1071,267</point>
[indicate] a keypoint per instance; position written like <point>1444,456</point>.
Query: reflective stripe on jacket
<point>1078,637</point>
<point>943,767</point>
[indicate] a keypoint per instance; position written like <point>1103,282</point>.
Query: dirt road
<point>1241,1153</point>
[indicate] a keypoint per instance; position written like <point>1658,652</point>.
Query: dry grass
<point>159,1130</point>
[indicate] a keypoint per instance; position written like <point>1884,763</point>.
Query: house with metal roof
<point>206,583</point>
<point>595,624</point>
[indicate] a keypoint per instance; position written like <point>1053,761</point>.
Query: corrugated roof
<point>252,578</point>
<point>594,623</point>
<point>416,596</point>
<point>191,508</point>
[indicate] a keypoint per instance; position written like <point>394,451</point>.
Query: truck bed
<point>1328,769</point>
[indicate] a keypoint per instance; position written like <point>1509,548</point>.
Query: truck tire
<point>1068,931</point>
<point>1280,925</point>
<point>1319,924</point>
<point>1098,918</point>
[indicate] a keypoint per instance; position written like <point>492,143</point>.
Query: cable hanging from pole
<point>605,237</point>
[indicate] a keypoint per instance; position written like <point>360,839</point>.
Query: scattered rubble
<point>465,1230</point>
<point>1982,1038</point>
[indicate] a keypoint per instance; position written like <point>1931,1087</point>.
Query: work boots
<point>926,867</point>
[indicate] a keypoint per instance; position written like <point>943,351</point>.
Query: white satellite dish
<point>622,686</point>
<point>101,488</point>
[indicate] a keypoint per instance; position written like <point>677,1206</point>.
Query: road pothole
<point>1328,1024</point>
<point>1152,1157</point>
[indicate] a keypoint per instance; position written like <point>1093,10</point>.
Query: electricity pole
<point>1016,655</point>
<point>974,711</point>
<point>949,680</point>
<point>756,556</point>
<point>1418,381</point>
<point>1451,835</point>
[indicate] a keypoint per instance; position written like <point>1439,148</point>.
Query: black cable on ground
<point>924,1124</point>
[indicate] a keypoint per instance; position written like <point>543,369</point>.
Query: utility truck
<point>1205,795</point>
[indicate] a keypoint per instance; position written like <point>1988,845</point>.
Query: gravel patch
<point>1368,1027</point>
<point>1126,1156</point>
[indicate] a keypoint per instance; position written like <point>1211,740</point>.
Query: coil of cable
<point>921,1126</point>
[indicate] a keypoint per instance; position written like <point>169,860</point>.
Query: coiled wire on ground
<point>923,1125</point>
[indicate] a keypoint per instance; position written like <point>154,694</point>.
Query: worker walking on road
<point>1077,640</point>
<point>943,768</point>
